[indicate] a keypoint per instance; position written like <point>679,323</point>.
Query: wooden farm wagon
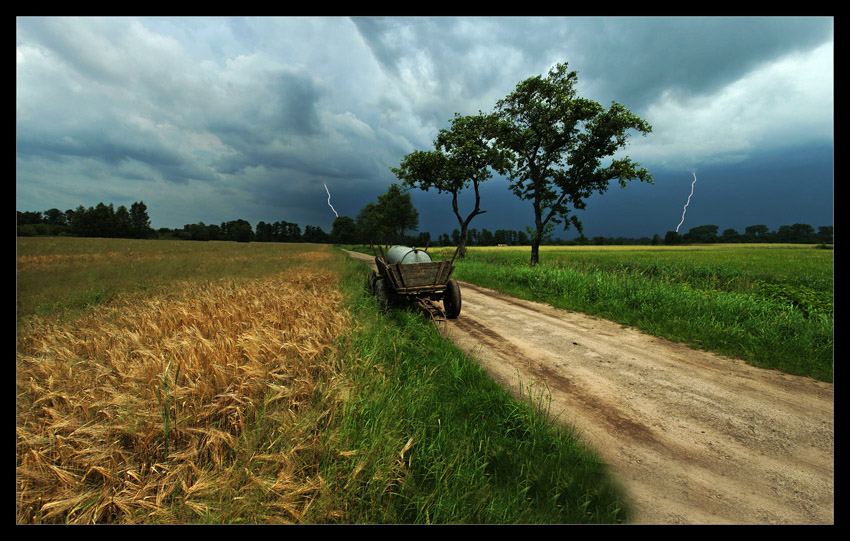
<point>409,275</point>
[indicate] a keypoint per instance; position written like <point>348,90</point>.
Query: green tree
<point>730,235</point>
<point>214,232</point>
<point>55,216</point>
<point>423,239</point>
<point>387,220</point>
<point>344,230</point>
<point>757,233</point>
<point>522,239</point>
<point>672,237</point>
<point>123,224</point>
<point>140,223</point>
<point>798,233</point>
<point>398,211</point>
<point>464,155</point>
<point>263,232</point>
<point>102,221</point>
<point>314,233</point>
<point>29,217</point>
<point>558,141</point>
<point>237,230</point>
<point>825,234</point>
<point>369,226</point>
<point>485,238</point>
<point>196,231</point>
<point>702,233</point>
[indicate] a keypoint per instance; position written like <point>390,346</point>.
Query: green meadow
<point>770,305</point>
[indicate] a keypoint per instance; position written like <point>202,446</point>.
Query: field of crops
<point>133,410</point>
<point>222,382</point>
<point>771,305</point>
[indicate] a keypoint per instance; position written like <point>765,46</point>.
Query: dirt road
<point>694,438</point>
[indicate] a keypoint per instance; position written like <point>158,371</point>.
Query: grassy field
<point>183,382</point>
<point>771,305</point>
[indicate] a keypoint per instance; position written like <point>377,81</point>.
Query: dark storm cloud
<point>112,149</point>
<point>290,105</point>
<point>212,119</point>
<point>632,58</point>
<point>264,122</point>
<point>635,59</point>
<point>448,65</point>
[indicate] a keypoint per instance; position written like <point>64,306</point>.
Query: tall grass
<point>427,437</point>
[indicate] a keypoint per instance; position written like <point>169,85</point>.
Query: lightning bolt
<point>684,210</point>
<point>329,201</point>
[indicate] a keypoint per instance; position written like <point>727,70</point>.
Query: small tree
<point>672,237</point>
<point>237,230</point>
<point>397,212</point>
<point>558,141</point>
<point>369,226</point>
<point>343,231</point>
<point>123,226</point>
<point>464,155</point>
<point>140,224</point>
<point>702,234</point>
<point>387,220</point>
<point>825,234</point>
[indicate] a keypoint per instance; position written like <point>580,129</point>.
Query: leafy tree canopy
<point>559,141</point>
<point>463,155</point>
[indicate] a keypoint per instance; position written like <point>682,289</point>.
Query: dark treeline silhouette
<point>105,221</point>
<point>796,233</point>
<point>704,234</point>
<point>98,221</point>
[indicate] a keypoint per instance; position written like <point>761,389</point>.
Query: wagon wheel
<point>451,299</point>
<point>382,292</point>
<point>370,282</point>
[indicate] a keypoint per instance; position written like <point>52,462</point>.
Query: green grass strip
<point>761,329</point>
<point>435,440</point>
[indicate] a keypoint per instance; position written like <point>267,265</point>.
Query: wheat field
<point>134,411</point>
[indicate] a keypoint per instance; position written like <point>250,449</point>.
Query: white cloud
<point>783,102</point>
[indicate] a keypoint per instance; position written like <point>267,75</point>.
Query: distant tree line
<point>389,221</point>
<point>105,221</point>
<point>98,221</point>
<point>705,234</point>
<point>796,233</point>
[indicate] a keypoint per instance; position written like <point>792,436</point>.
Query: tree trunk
<point>461,246</point>
<point>538,235</point>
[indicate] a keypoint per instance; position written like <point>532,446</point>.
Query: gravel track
<point>693,437</point>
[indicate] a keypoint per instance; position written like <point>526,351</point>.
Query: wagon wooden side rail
<point>416,278</point>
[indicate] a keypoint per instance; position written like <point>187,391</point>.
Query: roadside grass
<point>428,437</point>
<point>769,305</point>
<point>263,385</point>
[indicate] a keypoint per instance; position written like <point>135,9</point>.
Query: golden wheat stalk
<point>138,406</point>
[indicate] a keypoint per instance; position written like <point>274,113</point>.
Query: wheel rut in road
<point>693,437</point>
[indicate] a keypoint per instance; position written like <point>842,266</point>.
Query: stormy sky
<point>216,119</point>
